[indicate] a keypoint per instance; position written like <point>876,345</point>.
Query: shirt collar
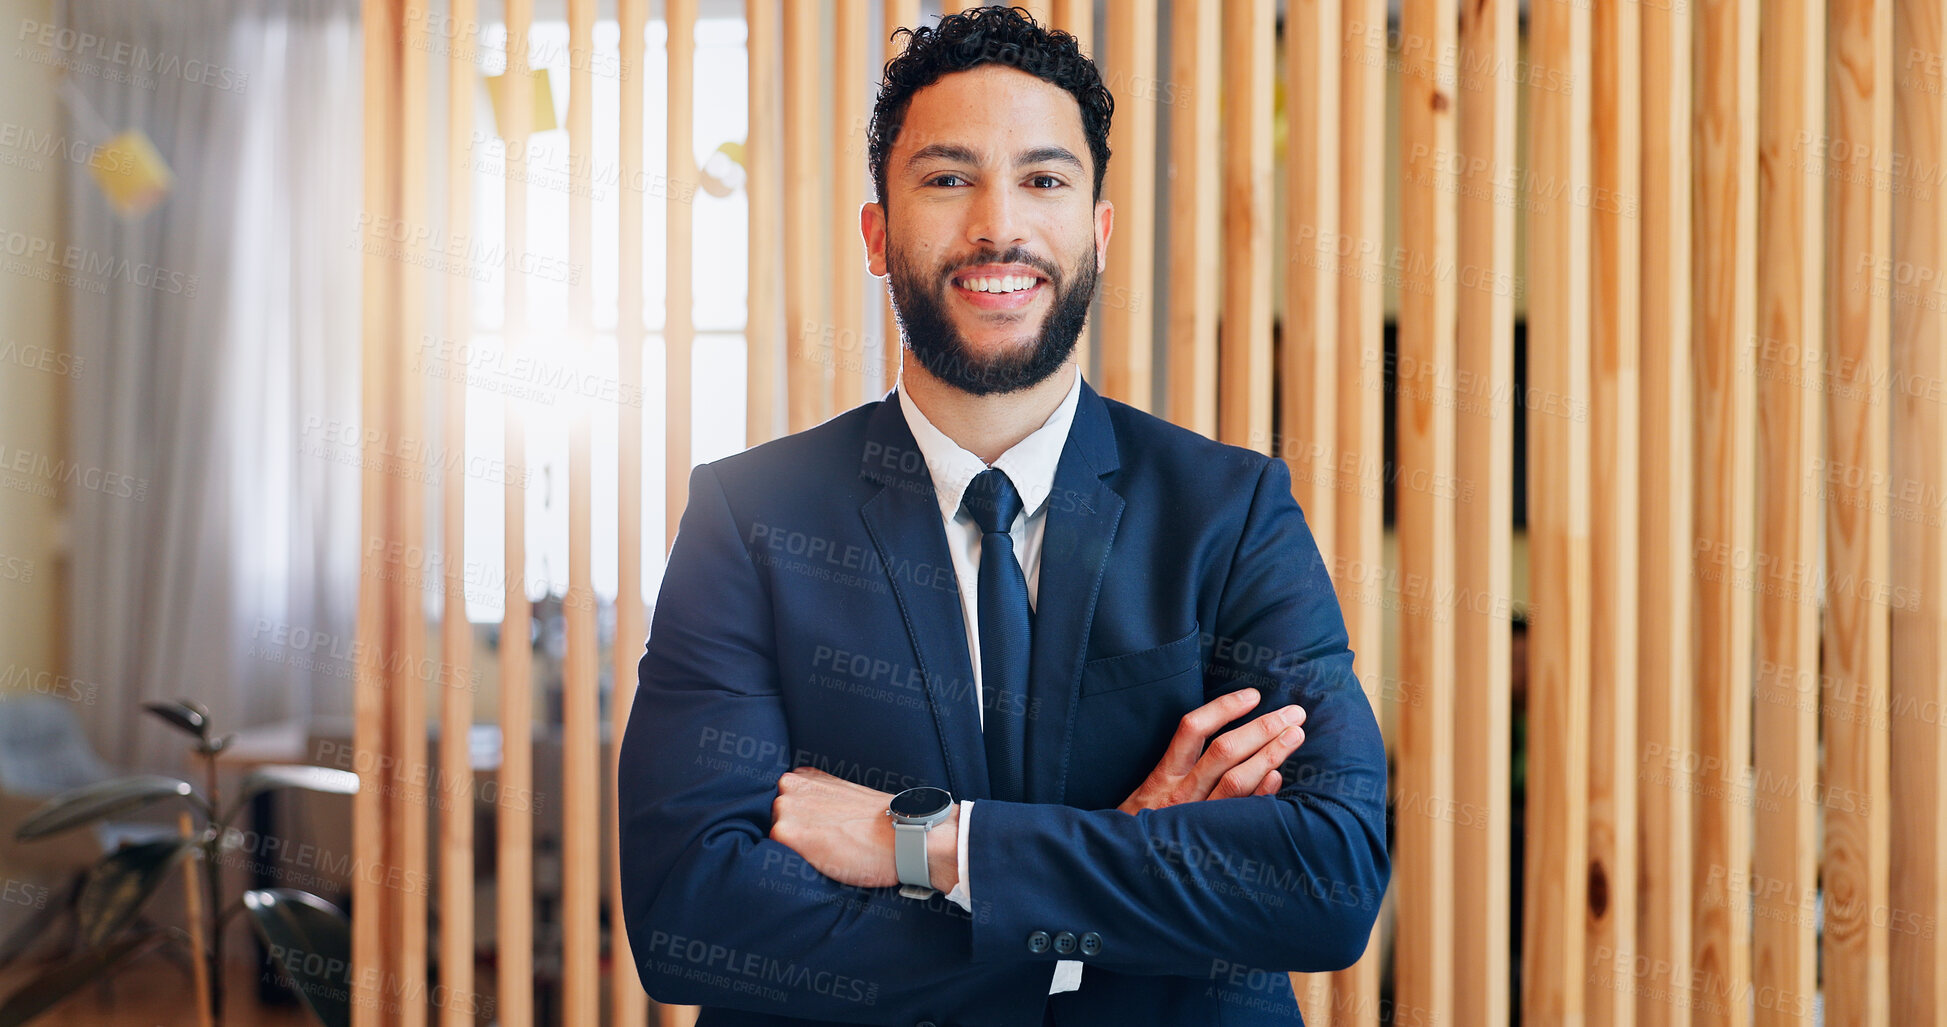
<point>1030,464</point>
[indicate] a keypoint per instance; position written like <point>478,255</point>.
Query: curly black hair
<point>988,35</point>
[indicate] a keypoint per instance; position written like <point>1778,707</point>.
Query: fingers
<point>1196,727</point>
<point>1247,778</point>
<point>1272,782</point>
<point>1235,748</point>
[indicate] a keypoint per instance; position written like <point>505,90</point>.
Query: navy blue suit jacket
<point>809,615</point>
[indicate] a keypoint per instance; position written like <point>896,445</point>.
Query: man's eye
<point>1046,182</point>
<point>948,179</point>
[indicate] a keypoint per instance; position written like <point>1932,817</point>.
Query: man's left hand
<point>840,828</point>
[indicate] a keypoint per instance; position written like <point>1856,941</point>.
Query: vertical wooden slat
<point>1724,242</point>
<point>455,630</point>
<point>1484,513</point>
<point>1309,368</point>
<point>1615,316</point>
<point>1666,579</point>
<point>515,857</point>
<point>1791,238</point>
<point>1424,497</point>
<point>1129,280</point>
<point>898,14</point>
<point>679,331</point>
<point>1853,691</point>
<point>372,954</point>
<point>1244,409</point>
<point>847,329</point>
<point>1195,210</point>
<point>1077,18</point>
<point>1555,866</point>
<point>581,854</point>
<point>628,1003</point>
<point>1919,539</point>
<point>406,690</point>
<point>809,376</point>
<point>1358,571</point>
<point>763,184</point>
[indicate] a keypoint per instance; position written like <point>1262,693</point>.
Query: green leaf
<point>89,803</point>
<point>190,717</point>
<point>311,941</point>
<point>121,884</point>
<point>49,989</point>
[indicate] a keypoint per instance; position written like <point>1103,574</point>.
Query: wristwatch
<point>914,812</point>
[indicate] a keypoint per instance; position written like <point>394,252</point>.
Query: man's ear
<point>872,224</point>
<point>1104,224</point>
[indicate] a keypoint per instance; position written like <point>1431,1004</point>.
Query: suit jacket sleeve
<point>1290,881</point>
<point>717,913</point>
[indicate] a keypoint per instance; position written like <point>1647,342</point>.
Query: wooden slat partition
<point>809,374</point>
<point>1424,496</point>
<point>1358,566</point>
<point>1244,332</point>
<point>1129,282</point>
<point>1665,624</point>
<point>763,185</point>
<point>1077,18</point>
<point>1196,211</point>
<point>1852,693</point>
<point>514,864</point>
<point>628,1003</point>
<point>1724,244</point>
<point>1555,868</point>
<point>847,328</point>
<point>1917,484</point>
<point>581,852</point>
<point>455,866</point>
<point>1309,415</point>
<point>898,14</point>
<point>1615,265</point>
<point>1484,511</point>
<point>679,330</point>
<point>1791,237</point>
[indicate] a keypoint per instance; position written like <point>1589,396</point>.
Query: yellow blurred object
<point>131,173</point>
<point>714,180</point>
<point>543,102</point>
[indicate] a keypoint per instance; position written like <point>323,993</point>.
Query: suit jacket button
<point>1065,942</point>
<point>1038,942</point>
<point>1091,943</point>
<point>924,1023</point>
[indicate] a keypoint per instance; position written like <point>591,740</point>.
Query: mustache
<point>1017,255</point>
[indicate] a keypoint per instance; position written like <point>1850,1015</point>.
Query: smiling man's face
<point>994,238</point>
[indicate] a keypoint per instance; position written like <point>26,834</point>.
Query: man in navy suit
<point>1071,646</point>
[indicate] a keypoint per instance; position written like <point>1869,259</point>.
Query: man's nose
<point>996,219</point>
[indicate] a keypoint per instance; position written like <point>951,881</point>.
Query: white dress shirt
<point>1030,465</point>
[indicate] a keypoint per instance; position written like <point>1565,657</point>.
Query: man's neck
<point>990,425</point>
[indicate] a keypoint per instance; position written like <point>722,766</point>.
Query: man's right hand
<point>1242,761</point>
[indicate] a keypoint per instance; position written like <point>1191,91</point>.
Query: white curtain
<point>223,367</point>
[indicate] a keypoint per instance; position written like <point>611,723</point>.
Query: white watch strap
<point>909,858</point>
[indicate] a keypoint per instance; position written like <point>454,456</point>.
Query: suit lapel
<point>1082,517</point>
<point>904,521</point>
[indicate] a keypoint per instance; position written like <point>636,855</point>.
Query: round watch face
<point>916,803</point>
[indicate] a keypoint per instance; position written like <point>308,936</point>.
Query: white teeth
<point>1006,283</point>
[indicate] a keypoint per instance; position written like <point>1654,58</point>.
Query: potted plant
<point>308,938</point>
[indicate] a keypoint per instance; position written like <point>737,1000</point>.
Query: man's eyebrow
<point>954,153</point>
<point>1050,155</point>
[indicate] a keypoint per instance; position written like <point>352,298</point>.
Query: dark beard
<point>942,351</point>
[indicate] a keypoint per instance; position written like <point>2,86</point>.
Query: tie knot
<point>991,501</point>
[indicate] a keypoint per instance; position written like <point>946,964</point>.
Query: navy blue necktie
<point>1004,632</point>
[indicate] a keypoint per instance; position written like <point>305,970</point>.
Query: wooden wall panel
<point>1196,212</point>
<point>1484,513</point>
<point>764,186</point>
<point>1424,497</point>
<point>1724,244</point>
<point>1556,903</point>
<point>1128,283</point>
<point>809,375</point>
<point>1615,265</point>
<point>514,864</point>
<point>1917,485</point>
<point>898,14</point>
<point>1244,331</point>
<point>1665,625</point>
<point>846,331</point>
<point>1358,567</point>
<point>628,1003</point>
<point>1791,236</point>
<point>679,329</point>
<point>1852,693</point>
